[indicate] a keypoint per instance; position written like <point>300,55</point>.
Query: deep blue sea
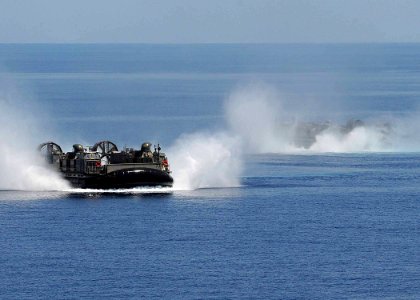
<point>341,223</point>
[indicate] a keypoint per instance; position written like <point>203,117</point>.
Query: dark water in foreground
<point>300,226</point>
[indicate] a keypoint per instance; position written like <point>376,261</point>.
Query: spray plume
<point>20,132</point>
<point>204,160</point>
<point>255,114</point>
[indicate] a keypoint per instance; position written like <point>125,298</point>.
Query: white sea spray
<point>22,168</point>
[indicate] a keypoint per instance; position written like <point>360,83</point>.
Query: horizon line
<point>208,43</point>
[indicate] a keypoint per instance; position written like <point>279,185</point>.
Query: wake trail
<point>256,115</point>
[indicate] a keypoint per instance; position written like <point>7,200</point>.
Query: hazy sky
<point>211,21</point>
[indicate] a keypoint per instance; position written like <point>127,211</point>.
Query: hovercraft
<point>103,166</point>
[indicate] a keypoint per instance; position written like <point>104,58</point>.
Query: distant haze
<point>216,21</point>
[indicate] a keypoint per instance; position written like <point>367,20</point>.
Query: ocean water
<point>257,216</point>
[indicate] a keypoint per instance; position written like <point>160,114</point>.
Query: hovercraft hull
<point>122,179</point>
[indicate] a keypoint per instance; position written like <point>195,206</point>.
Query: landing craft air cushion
<point>102,166</point>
